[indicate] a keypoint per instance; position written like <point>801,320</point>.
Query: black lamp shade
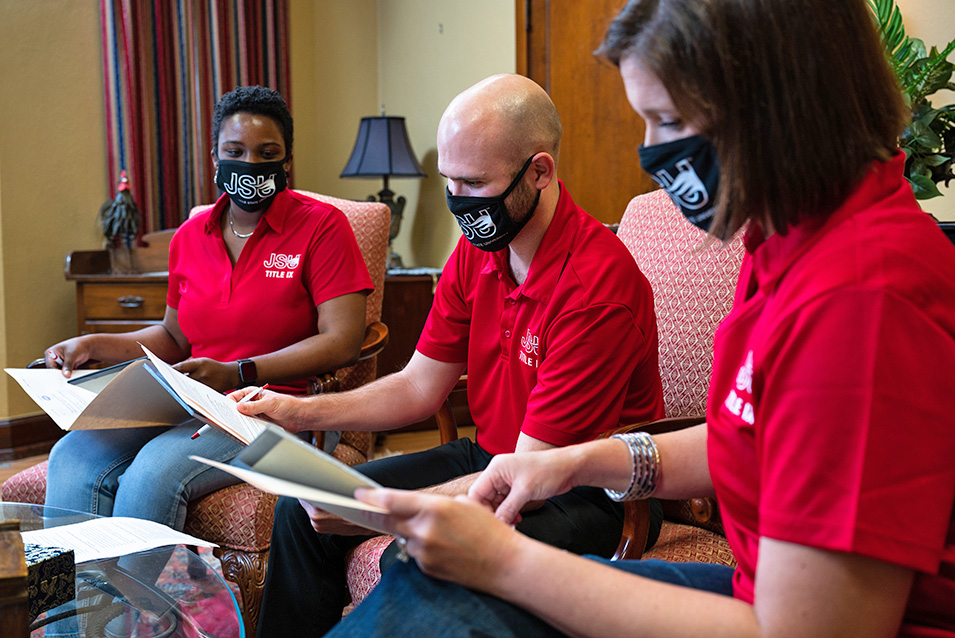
<point>381,149</point>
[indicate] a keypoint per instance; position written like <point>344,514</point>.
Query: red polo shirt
<point>303,253</point>
<point>567,355</point>
<point>832,399</point>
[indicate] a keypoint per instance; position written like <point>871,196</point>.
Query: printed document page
<point>131,399</point>
<point>110,537</point>
<point>50,390</point>
<point>214,406</point>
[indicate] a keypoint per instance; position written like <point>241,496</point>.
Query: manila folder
<point>132,399</point>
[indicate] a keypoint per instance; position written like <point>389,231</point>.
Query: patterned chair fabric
<point>693,287</point>
<point>239,518</point>
<point>693,290</point>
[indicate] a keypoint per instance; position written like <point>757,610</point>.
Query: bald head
<point>507,116</point>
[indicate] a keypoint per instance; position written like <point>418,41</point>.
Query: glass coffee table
<point>164,592</point>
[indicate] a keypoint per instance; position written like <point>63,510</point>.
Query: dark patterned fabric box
<point>51,577</point>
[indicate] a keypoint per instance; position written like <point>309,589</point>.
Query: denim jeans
<point>137,472</point>
<point>305,588</point>
<point>408,604</point>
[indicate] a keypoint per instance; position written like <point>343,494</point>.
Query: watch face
<point>247,372</point>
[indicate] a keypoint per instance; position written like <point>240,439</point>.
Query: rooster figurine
<point>119,217</point>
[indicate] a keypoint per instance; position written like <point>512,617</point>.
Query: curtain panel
<point>166,62</point>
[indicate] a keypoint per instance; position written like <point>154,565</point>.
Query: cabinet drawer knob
<point>131,301</point>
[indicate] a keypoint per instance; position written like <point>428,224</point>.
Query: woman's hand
<point>215,374</point>
<point>68,355</point>
<point>511,482</point>
<point>453,539</point>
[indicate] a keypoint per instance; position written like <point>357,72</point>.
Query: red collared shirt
<point>833,393</point>
<point>567,355</point>
<point>303,253</point>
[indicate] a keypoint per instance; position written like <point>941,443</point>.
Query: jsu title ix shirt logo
<point>739,401</point>
<point>279,266</point>
<point>529,355</point>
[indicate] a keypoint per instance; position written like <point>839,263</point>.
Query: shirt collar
<point>275,215</point>
<point>772,257</point>
<point>550,256</point>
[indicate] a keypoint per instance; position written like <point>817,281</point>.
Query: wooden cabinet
<point>405,308</point>
<point>109,302</point>
<point>116,303</point>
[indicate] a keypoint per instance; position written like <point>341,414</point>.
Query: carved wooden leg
<point>247,570</point>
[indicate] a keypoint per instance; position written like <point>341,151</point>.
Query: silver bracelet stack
<point>646,467</point>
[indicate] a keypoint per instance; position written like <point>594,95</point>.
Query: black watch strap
<point>247,372</point>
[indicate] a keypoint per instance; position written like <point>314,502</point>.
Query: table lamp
<point>382,149</point>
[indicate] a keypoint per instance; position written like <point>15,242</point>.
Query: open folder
<point>280,463</point>
<point>140,393</point>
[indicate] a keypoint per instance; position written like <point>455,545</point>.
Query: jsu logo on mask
<point>482,226</point>
<point>686,186</point>
<point>250,187</point>
<point>279,266</point>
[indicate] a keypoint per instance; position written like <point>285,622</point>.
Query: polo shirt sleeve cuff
<point>555,436</point>
<point>440,353</point>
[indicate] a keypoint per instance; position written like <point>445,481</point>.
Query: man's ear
<point>215,158</point>
<point>543,169</point>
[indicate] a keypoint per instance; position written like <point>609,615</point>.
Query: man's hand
<point>283,409</point>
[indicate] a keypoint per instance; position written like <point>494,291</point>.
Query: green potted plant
<point>929,140</point>
<point>119,221</point>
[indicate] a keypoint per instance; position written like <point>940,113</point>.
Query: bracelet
<point>646,467</point>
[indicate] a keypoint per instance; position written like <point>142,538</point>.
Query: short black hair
<point>257,100</point>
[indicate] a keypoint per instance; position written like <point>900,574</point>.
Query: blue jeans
<point>305,586</point>
<point>137,472</point>
<point>408,604</point>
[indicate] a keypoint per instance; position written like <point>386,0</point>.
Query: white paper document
<point>132,397</point>
<point>49,388</point>
<point>110,537</point>
<point>214,406</point>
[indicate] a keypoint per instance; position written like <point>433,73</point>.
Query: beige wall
<point>52,171</point>
<point>431,50</point>
<point>334,65</point>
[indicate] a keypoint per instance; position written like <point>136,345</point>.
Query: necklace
<point>237,233</point>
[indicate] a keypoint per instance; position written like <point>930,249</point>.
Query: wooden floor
<point>395,443</point>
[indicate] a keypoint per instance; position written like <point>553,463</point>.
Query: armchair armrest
<point>636,514</point>
<point>447,427</point>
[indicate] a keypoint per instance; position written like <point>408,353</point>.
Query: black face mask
<point>251,185</point>
<point>689,171</point>
<point>485,220</point>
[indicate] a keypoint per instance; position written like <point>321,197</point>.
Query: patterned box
<point>51,577</point>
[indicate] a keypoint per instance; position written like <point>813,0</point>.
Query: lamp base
<point>397,208</point>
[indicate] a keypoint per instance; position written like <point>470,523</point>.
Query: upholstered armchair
<point>239,518</point>
<point>693,289</point>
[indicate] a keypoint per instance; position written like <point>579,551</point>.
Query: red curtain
<point>165,64</point>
